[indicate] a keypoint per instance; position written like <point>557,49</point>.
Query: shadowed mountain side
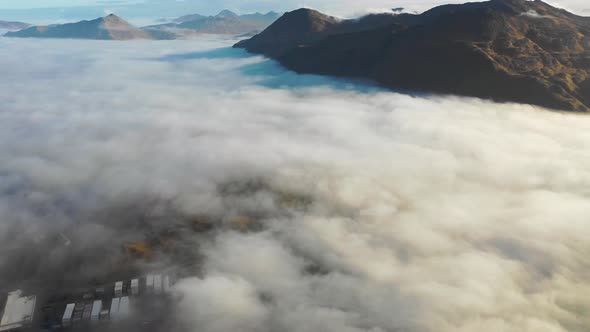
<point>505,50</point>
<point>110,27</point>
<point>268,73</point>
<point>306,26</point>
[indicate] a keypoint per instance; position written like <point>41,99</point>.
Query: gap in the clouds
<point>216,53</point>
<point>270,74</point>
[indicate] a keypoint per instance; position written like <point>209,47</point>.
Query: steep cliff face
<point>506,50</point>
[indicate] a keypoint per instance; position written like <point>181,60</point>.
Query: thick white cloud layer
<point>432,214</point>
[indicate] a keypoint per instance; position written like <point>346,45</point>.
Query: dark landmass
<point>110,27</point>
<point>226,22</point>
<point>505,50</point>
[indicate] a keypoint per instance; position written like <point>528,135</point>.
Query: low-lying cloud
<point>374,211</point>
<point>534,14</point>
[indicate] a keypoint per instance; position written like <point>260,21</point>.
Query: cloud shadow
<point>217,53</point>
<point>271,74</point>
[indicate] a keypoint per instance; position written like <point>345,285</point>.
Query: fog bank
<point>366,210</point>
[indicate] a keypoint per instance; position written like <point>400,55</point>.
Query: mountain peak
<point>112,16</point>
<point>114,19</point>
<point>293,28</point>
<point>110,27</point>
<point>311,17</point>
<point>507,50</point>
<point>226,13</point>
<point>305,12</point>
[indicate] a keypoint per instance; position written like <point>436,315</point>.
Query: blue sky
<point>6,4</point>
<point>35,11</point>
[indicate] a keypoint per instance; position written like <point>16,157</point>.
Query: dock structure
<point>114,312</point>
<point>18,311</point>
<point>166,284</point>
<point>157,284</point>
<point>67,316</point>
<point>124,311</point>
<point>78,311</point>
<point>96,309</point>
<point>149,283</point>
<point>118,289</point>
<point>87,311</point>
<point>135,287</point>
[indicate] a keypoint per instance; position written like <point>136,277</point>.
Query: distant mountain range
<point>6,25</point>
<point>110,27</point>
<point>226,22</point>
<point>505,50</point>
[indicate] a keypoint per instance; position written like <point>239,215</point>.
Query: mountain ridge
<point>13,25</point>
<point>225,22</point>
<point>505,50</point>
<point>110,27</point>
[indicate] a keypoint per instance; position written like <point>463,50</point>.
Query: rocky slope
<point>110,27</point>
<point>506,50</point>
